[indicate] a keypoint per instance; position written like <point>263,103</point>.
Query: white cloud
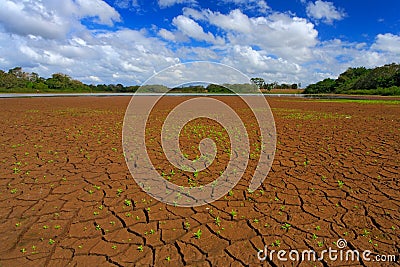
<point>167,35</point>
<point>53,19</point>
<point>32,18</point>
<point>260,6</point>
<point>235,20</point>
<point>253,61</point>
<point>168,3</point>
<point>100,10</point>
<point>126,3</point>
<point>255,5</point>
<point>173,36</point>
<point>280,34</point>
<point>324,11</point>
<point>193,30</point>
<point>388,43</point>
<point>125,56</point>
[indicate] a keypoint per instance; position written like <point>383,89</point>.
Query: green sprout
<point>233,213</point>
<point>217,221</point>
<point>198,234</point>
<point>286,226</point>
<point>127,202</point>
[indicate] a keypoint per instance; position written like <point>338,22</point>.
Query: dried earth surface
<point>67,197</point>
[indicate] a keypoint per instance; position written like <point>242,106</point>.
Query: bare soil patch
<point>67,197</point>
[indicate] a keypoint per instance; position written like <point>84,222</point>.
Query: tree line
<point>383,80</point>
<point>17,80</point>
<point>260,82</point>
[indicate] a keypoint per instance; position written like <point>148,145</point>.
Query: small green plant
<point>286,226</point>
<point>318,228</point>
<point>276,243</point>
<point>256,221</point>
<point>314,236</point>
<point>45,227</point>
<point>18,224</point>
<point>233,213</point>
<point>393,228</point>
<point>365,232</point>
<point>168,258</point>
<point>112,223</point>
<point>127,202</point>
<point>23,250</point>
<point>198,234</point>
<point>95,213</point>
<point>51,241</point>
<point>340,183</point>
<point>16,170</point>
<point>217,221</point>
<point>119,191</point>
<point>140,248</point>
<point>114,247</point>
<point>98,227</point>
<point>57,227</point>
<point>14,191</point>
<point>230,193</point>
<point>320,243</point>
<point>187,225</point>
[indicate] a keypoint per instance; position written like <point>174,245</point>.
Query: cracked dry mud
<point>68,199</point>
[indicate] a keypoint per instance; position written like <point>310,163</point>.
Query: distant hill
<point>384,80</point>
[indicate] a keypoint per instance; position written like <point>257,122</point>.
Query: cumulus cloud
<point>254,61</point>
<point>53,19</point>
<point>388,43</point>
<point>255,5</point>
<point>102,12</point>
<point>324,11</point>
<point>33,18</point>
<point>193,30</point>
<point>168,3</point>
<point>126,3</point>
<point>286,36</point>
<point>125,56</point>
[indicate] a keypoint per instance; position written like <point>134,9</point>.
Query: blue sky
<point>127,41</point>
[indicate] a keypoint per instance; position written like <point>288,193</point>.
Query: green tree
<point>260,83</point>
<point>325,86</point>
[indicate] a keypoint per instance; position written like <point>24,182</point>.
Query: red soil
<point>64,185</point>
